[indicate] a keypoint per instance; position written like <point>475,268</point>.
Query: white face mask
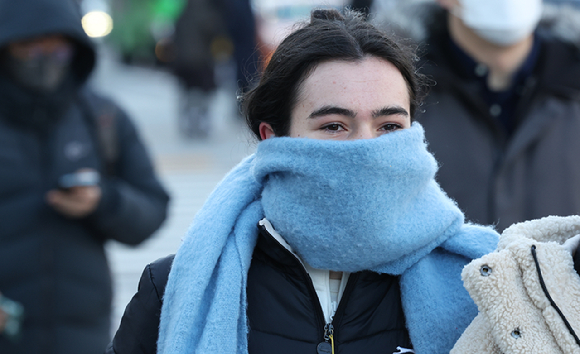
<point>502,22</point>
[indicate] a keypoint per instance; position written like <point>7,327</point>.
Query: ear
<point>266,131</point>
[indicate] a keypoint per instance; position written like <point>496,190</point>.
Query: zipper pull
<point>327,347</point>
<point>331,336</point>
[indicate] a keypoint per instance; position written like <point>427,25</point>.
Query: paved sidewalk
<point>189,169</point>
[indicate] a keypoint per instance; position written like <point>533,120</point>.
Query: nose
<point>364,132</point>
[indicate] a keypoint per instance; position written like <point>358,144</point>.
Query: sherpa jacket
<point>499,179</point>
<point>527,292</point>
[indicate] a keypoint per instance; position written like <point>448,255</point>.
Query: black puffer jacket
<point>283,309</point>
<point>54,265</point>
<point>496,178</point>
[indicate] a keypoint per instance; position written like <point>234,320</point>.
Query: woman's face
<point>344,100</point>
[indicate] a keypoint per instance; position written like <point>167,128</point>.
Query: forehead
<point>368,81</point>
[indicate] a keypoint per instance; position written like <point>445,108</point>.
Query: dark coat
<point>196,30</point>
<point>283,309</point>
<point>56,266</point>
<point>496,178</point>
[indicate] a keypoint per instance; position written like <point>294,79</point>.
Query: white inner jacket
<point>329,291</point>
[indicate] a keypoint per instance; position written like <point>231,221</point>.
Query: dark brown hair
<point>329,35</point>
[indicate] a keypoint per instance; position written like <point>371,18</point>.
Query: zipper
<point>327,346</point>
<point>323,348</point>
<point>353,278</point>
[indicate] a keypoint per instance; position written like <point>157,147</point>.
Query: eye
<point>390,127</point>
<point>332,127</point>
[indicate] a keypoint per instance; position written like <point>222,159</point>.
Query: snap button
<point>516,333</point>
<point>485,270</point>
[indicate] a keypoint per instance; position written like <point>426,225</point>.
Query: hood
<point>413,18</point>
<point>25,19</point>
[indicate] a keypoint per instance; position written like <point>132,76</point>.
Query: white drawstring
<point>404,350</point>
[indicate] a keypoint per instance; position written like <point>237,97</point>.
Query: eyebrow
<point>327,110</point>
<point>385,111</point>
<point>390,111</point>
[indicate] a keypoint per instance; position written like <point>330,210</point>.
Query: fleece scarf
<point>341,205</point>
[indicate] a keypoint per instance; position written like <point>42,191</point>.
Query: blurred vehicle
<point>141,27</point>
<point>276,18</point>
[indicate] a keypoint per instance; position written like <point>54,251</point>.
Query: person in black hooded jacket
<point>52,259</point>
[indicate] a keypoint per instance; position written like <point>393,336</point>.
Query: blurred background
<point>177,67</point>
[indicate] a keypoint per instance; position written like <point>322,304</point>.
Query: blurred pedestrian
<point>333,236</point>
<point>503,118</point>
<point>207,32</point>
<point>241,23</point>
<point>74,175</point>
<point>199,25</point>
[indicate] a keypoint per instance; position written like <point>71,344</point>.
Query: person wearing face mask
<point>503,113</point>
<point>334,236</point>
<point>63,194</point>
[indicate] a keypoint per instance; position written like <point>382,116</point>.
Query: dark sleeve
<point>133,203</point>
<point>139,327</point>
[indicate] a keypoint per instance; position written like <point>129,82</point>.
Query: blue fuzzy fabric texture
<point>341,205</point>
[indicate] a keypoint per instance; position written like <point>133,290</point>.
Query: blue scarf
<point>341,205</point>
